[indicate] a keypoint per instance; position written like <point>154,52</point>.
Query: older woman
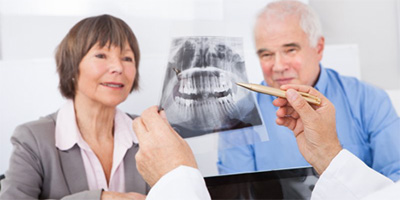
<point>87,148</point>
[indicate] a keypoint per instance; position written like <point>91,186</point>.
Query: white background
<point>362,38</point>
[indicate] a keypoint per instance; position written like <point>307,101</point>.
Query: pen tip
<point>240,84</point>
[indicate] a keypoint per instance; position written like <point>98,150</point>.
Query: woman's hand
<point>313,126</point>
<point>106,195</point>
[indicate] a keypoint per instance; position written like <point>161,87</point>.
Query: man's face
<point>285,54</point>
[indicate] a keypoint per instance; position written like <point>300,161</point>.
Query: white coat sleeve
<point>181,183</point>
<point>347,177</point>
<point>391,192</point>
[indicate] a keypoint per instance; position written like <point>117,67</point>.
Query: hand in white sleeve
<point>165,160</point>
<point>313,126</point>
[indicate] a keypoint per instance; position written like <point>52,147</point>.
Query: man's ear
<point>320,47</point>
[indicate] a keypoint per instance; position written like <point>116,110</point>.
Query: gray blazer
<point>39,170</point>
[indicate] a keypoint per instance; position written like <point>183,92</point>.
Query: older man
<point>290,45</point>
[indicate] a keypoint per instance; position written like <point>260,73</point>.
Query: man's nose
<point>280,63</point>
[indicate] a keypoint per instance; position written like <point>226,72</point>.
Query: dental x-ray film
<point>199,92</point>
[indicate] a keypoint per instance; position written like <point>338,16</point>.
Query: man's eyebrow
<point>292,45</point>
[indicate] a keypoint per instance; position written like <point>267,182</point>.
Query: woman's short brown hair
<point>103,29</point>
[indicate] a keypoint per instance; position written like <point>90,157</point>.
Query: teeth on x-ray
<point>206,93</point>
<point>199,94</point>
<point>205,82</point>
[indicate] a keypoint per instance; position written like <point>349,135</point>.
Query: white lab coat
<point>181,183</point>
<point>347,177</point>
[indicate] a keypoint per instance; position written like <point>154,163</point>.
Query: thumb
<point>299,104</point>
<point>139,128</point>
<point>163,115</point>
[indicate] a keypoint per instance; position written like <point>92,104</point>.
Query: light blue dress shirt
<point>366,122</point>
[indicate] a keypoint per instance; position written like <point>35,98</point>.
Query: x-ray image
<point>199,93</point>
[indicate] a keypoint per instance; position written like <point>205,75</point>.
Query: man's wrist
<point>325,158</point>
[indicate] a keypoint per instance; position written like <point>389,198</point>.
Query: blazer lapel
<point>74,170</point>
<point>133,180</point>
<point>72,166</point>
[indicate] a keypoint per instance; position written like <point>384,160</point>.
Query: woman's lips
<point>113,85</point>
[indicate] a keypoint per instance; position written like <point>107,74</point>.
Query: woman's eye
<point>129,59</point>
<point>100,55</point>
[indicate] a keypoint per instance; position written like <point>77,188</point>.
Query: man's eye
<point>128,59</point>
<point>266,55</point>
<point>100,55</point>
<point>291,50</point>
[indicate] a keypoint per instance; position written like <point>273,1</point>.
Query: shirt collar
<point>322,82</point>
<point>123,127</point>
<point>68,134</point>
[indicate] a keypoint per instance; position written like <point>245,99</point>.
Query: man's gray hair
<point>309,20</point>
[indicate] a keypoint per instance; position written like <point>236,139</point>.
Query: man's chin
<point>273,84</point>
<point>285,82</point>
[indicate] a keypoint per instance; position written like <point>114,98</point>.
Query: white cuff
<point>347,177</point>
<point>181,183</point>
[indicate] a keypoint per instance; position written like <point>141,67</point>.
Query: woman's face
<point>106,75</point>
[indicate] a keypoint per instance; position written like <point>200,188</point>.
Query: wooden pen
<point>277,92</point>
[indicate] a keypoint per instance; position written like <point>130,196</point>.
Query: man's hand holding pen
<point>314,126</point>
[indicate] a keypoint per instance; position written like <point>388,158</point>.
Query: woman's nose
<point>116,66</point>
